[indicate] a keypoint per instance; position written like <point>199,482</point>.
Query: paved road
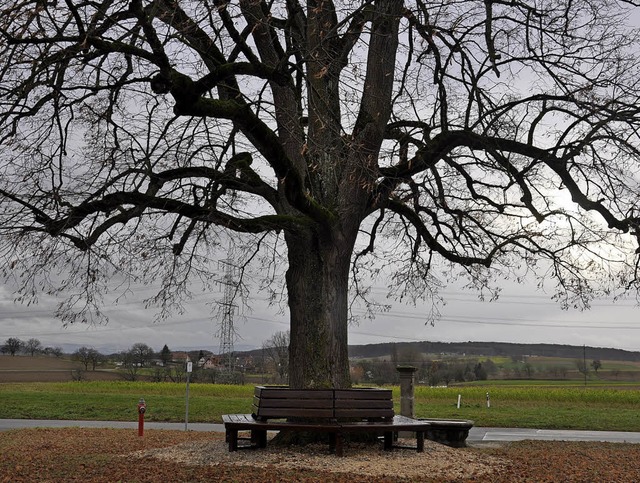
<point>476,435</point>
<point>7,424</point>
<point>481,435</point>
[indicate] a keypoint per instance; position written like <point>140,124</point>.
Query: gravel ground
<point>437,461</point>
<point>85,455</point>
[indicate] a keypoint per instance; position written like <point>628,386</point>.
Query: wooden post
<point>406,395</point>
<point>406,390</point>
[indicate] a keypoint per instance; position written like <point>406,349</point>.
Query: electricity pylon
<point>228,309</point>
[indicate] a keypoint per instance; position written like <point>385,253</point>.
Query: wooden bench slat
<point>292,403</point>
<point>257,390</point>
<point>279,413</point>
<point>363,394</point>
<point>363,413</point>
<point>236,418</point>
<point>363,403</point>
<point>282,393</point>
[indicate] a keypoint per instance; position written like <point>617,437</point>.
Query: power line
<point>458,319</point>
<point>543,325</point>
<point>520,299</point>
<point>493,320</point>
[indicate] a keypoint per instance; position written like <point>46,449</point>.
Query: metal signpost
<point>186,416</point>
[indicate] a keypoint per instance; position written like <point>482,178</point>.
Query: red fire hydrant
<point>142,408</point>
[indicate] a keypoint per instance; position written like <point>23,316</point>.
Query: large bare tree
<point>418,137</point>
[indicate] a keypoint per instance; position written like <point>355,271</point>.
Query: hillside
<point>371,351</point>
<point>492,349</point>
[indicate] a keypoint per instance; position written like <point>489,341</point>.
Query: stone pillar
<point>406,390</point>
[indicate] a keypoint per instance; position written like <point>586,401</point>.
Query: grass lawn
<point>526,406</point>
<point>117,401</point>
<point>534,406</point>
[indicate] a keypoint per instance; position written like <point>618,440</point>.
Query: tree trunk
<point>317,282</point>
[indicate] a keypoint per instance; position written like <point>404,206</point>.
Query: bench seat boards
<point>336,430</point>
<point>397,423</point>
<point>233,423</point>
<point>245,422</point>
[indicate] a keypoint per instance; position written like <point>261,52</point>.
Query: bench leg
<point>259,438</point>
<point>420,441</point>
<point>388,440</point>
<point>232,439</point>
<point>338,443</point>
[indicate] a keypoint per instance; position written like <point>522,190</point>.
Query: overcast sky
<point>520,315</point>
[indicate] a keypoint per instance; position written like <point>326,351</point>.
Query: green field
<point>607,366</point>
<point>526,405</point>
<point>560,406</point>
<point>117,400</point>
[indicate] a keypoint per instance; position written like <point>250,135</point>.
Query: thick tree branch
<point>417,223</point>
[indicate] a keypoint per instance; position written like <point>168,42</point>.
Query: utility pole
<point>584,362</point>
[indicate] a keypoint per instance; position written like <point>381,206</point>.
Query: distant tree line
<point>32,347</point>
<point>428,371</point>
<point>489,349</point>
<point>270,364</point>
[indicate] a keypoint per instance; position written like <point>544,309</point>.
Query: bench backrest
<point>275,402</point>
<point>280,402</point>
<point>363,403</point>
